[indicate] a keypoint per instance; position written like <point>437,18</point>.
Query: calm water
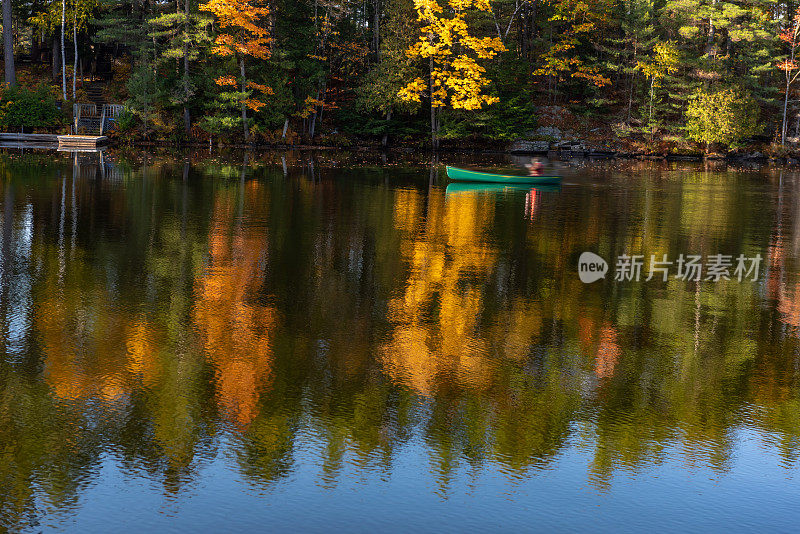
<point>301,343</point>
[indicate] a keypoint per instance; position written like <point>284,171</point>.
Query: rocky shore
<point>560,135</point>
<point>563,135</point>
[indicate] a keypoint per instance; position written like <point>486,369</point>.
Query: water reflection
<point>160,316</point>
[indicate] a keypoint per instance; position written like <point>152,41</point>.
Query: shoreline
<point>755,156</point>
<point>519,148</point>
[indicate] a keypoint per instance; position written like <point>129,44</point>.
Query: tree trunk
<point>8,44</point>
<point>797,125</point>
<point>710,42</point>
<point>434,128</point>
<point>386,134</point>
<point>187,118</point>
<point>75,50</point>
<point>376,30</point>
<point>632,85</point>
<point>786,97</point>
<point>785,105</point>
<point>434,124</point>
<point>36,52</point>
<point>56,57</point>
<point>711,31</point>
<point>317,115</point>
<point>244,105</point>
<point>63,57</point>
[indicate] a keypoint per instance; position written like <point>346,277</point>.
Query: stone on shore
<point>531,147</point>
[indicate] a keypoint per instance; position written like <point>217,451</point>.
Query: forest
<point>669,75</point>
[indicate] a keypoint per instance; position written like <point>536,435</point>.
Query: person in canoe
<point>535,167</point>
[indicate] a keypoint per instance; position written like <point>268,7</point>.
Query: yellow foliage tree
<point>242,35</point>
<point>665,60</point>
<point>452,53</point>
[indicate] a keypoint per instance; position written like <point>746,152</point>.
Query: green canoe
<point>463,175</point>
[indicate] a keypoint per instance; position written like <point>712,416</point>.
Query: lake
<point>343,341</point>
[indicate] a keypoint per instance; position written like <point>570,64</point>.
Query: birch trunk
<point>75,51</point>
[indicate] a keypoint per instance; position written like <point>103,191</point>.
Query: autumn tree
<point>624,49</point>
<point>452,51</point>
<point>789,66</point>
<point>365,67</point>
<point>186,36</point>
<point>379,91</point>
<point>82,13</point>
<point>45,21</point>
<point>330,48</point>
<point>243,35</point>
<point>664,60</point>
<point>724,116</point>
<point>50,17</point>
<point>577,26</point>
<point>128,23</point>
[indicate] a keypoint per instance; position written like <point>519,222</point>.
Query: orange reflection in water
<point>92,347</point>
<point>608,352</point>
<point>602,341</point>
<point>236,329</point>
<point>786,293</point>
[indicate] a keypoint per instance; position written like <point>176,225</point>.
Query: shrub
<point>33,108</point>
<point>725,116</point>
<point>126,121</point>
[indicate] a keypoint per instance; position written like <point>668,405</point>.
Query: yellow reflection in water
<point>436,331</point>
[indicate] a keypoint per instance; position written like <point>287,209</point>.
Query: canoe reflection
<point>532,193</point>
<point>460,188</point>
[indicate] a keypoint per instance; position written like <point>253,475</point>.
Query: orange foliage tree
<point>580,24</point>
<point>241,36</point>
<point>791,36</point>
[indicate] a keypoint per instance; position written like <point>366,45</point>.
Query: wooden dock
<point>70,143</point>
<point>81,141</point>
<point>40,139</point>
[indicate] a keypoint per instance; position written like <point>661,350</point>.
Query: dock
<point>81,141</point>
<point>39,139</point>
<point>65,142</point>
<point>86,122</point>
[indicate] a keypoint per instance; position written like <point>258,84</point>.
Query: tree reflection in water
<point>163,312</point>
